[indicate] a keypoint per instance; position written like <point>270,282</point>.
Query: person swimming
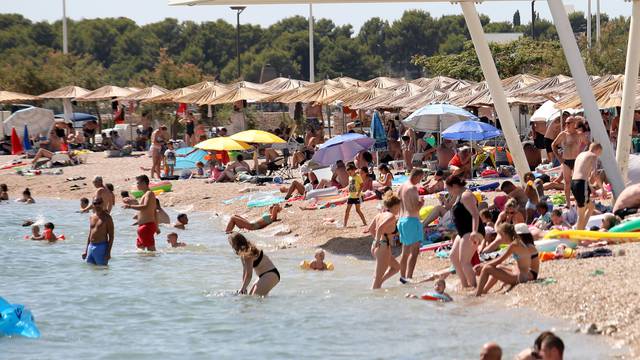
<point>26,197</point>
<point>254,260</point>
<point>35,233</point>
<point>318,262</point>
<point>172,240</point>
<point>438,292</point>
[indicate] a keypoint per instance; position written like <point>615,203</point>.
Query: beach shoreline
<point>597,295</point>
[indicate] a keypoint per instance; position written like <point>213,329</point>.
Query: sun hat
<point>522,228</point>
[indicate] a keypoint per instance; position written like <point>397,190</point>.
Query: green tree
<point>516,18</point>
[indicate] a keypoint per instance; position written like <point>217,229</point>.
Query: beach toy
<point>478,196</point>
<point>165,186</point>
<point>568,253</point>
<point>434,296</point>
<point>399,179</point>
<point>317,193</point>
<point>550,245</point>
<point>15,319</point>
<point>306,265</point>
<point>425,211</point>
<point>436,246</point>
<point>627,226</point>
<point>586,235</point>
<point>486,187</point>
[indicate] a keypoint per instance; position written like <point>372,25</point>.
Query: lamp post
<point>533,19</point>
<point>239,10</point>
<point>65,47</point>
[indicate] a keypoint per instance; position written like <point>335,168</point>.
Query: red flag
<point>182,109</point>
<point>16,144</point>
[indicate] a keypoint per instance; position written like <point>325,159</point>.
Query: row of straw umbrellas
<point>382,93</point>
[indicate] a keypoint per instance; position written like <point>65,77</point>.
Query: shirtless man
<point>408,148</point>
<point>628,202</point>
<point>515,193</point>
<point>339,179</point>
<point>570,140</point>
<point>100,239</point>
<point>553,129</point>
<point>434,183</point>
<point>586,169</point>
<point>147,225</point>
<point>103,193</point>
<point>410,228</point>
<point>444,153</point>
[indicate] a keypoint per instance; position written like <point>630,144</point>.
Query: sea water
<point>180,303</point>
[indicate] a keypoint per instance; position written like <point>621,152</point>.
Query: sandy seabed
<point>597,296</point>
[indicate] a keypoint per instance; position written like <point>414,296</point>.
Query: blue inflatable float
<point>15,319</point>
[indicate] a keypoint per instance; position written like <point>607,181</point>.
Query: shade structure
<point>221,144</point>
<point>525,94</point>
<point>77,116</point>
<point>343,147</point>
<point>364,95</point>
<point>546,112</point>
<point>144,94</point>
<point>281,87</point>
<point>286,96</point>
<point>203,96</point>
<point>422,82</point>
<point>378,133</point>
<point>320,93</point>
<point>347,82</point>
<point>471,131</point>
<point>202,85</point>
<point>106,92</point>
<point>483,98</point>
<point>608,95</point>
<point>7,97</point>
<point>384,101</point>
<point>257,137</point>
<point>66,92</point>
<point>383,82</point>
<point>169,97</point>
<point>437,116</point>
<point>240,92</point>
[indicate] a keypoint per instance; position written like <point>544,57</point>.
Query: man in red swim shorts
<point>147,225</point>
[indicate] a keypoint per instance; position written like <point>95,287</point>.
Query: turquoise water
<point>178,304</point>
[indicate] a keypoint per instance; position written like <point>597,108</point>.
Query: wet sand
<point>598,296</point>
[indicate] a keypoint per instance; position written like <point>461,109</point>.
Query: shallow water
<point>178,304</point>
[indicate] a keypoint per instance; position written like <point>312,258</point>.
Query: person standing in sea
<point>410,228</point>
<point>147,225</point>
<point>100,239</point>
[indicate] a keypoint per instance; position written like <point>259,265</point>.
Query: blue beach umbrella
<point>434,117</point>
<point>471,131</point>
<point>26,144</point>
<point>378,133</point>
<point>189,162</point>
<point>343,147</point>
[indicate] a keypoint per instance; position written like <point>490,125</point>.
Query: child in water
<point>4,192</point>
<point>318,263</point>
<point>172,239</point>
<point>84,204</point>
<point>438,292</point>
<point>26,197</point>
<point>35,233</point>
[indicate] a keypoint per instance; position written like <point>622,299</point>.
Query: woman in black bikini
<point>466,218</point>
<point>383,229</point>
<point>254,260</point>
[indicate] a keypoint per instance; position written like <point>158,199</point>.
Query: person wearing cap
<point>460,164</point>
<point>522,249</point>
<point>571,142</point>
<point>310,182</point>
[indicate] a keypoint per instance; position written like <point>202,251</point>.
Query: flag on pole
<point>26,143</point>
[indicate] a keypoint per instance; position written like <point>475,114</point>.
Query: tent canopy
<point>38,121</point>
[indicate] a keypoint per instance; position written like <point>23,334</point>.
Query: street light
<point>239,10</point>
<point>533,19</point>
<point>65,47</point>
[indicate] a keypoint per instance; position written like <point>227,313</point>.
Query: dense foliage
<point>174,54</point>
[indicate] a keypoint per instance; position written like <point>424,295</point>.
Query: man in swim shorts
<point>100,239</point>
<point>571,141</point>
<point>147,225</point>
<point>628,202</point>
<point>585,169</point>
<point>553,129</point>
<point>409,225</point>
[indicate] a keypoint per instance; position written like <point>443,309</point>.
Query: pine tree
<point>516,18</point>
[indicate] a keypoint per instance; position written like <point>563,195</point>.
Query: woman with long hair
<point>254,259</point>
<point>383,229</point>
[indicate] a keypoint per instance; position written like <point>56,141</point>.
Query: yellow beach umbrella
<point>257,137</point>
<point>222,143</point>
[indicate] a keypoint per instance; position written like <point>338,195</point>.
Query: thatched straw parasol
<point>402,91</point>
<point>203,96</point>
<point>365,96</point>
<point>346,82</point>
<point>144,94</point>
<point>7,97</point>
<point>239,92</point>
<point>525,94</point>
<point>169,97</point>
<point>608,94</point>
<point>106,92</point>
<point>383,82</point>
<point>320,92</point>
<point>287,85</point>
<point>66,92</point>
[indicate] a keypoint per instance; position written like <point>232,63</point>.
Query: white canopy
<point>547,112</point>
<point>38,121</point>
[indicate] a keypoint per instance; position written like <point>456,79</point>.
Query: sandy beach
<point>597,296</point>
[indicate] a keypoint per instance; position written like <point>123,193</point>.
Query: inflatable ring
<point>306,265</point>
<point>165,186</point>
<point>425,212</point>
<point>627,226</point>
<point>434,296</point>
<point>17,320</point>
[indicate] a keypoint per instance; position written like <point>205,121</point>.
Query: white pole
<point>65,46</point>
<point>68,109</point>
<point>589,24</point>
<point>495,87</point>
<point>581,79</point>
<point>312,77</point>
<point>629,88</point>
<point>597,22</point>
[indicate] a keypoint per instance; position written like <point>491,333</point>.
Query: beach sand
<point>598,296</point>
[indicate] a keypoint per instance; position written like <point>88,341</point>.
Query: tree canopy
<point>171,54</point>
